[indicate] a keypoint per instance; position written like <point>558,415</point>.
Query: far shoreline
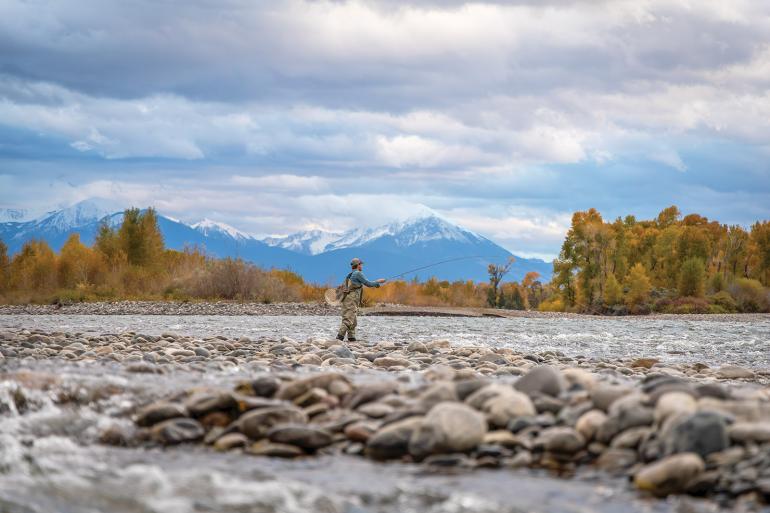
<point>245,308</point>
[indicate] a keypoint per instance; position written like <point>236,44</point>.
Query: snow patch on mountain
<point>310,242</point>
<point>409,232</point>
<point>77,215</point>
<point>208,227</point>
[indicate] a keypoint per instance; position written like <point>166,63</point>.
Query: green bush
<point>750,295</point>
<point>692,276</point>
<point>724,301</point>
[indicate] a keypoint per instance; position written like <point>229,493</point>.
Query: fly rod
<point>439,263</point>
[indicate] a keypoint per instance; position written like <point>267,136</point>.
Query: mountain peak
<point>408,232</point>
<point>208,227</point>
<point>309,242</point>
<point>79,214</point>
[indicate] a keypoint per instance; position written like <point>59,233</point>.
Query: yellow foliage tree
<point>613,292</point>
<point>638,286</point>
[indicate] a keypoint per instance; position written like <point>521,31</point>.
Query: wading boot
<point>340,337</point>
<point>351,339</point>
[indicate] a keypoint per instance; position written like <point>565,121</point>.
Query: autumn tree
<point>5,265</point>
<point>140,238</point>
<point>638,286</point>
<point>34,268</point>
<point>760,241</point>
<point>692,277</point>
<point>613,292</point>
<point>78,264</point>
<point>496,273</point>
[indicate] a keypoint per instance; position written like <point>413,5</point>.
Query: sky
<point>503,117</point>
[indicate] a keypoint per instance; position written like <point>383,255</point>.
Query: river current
<point>707,341</point>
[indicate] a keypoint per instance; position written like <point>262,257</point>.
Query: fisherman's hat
<point>355,262</point>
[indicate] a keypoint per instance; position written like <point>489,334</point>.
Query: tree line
<point>131,261</point>
<point>672,263</point>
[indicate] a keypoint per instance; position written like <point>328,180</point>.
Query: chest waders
<point>352,295</point>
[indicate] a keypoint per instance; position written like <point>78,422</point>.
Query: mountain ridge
<point>317,255</point>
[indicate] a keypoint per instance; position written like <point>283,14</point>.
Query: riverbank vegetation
<point>132,262</point>
<point>670,264</point>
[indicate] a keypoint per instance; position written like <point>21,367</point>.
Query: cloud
<point>282,115</point>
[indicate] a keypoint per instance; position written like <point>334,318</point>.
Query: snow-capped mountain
<point>321,257</point>
<point>416,230</point>
<point>310,242</point>
<point>79,214</point>
<point>208,228</point>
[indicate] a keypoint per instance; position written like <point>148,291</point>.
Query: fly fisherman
<point>351,300</point>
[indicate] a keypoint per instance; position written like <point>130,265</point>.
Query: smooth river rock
<point>448,427</point>
<point>669,475</point>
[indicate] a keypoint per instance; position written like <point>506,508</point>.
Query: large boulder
<point>564,440</point>
<point>501,404</point>
<point>669,475</point>
<point>392,441</point>
<point>542,380</point>
<point>448,427</point>
<point>674,403</point>
<point>702,433</point>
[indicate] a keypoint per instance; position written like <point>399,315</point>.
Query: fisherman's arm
<point>359,278</point>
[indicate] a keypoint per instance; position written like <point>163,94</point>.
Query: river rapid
<point>51,459</point>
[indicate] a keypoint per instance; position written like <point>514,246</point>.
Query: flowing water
<point>675,340</point>
<point>51,461</point>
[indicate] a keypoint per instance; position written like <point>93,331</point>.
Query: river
<point>50,460</point>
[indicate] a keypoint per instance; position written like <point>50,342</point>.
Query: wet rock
<point>437,393</point>
<point>561,440</point>
<point>115,435</point>
<point>231,441</point>
<point>296,388</point>
<point>448,427</point>
<point>712,390</point>
<point>544,379</point>
<point>275,450</point>
<point>387,362</point>
<point>604,395</point>
<point>263,386</point>
<point>466,387</point>
<point>702,433</point>
<point>756,432</point>
<point>369,393</point>
<point>625,413</point>
<point>375,410</point>
<point>614,460</point>
<point>310,359</point>
<point>202,351</point>
<point>588,424</point>
<point>669,475</point>
<point>158,412</point>
<point>305,436</point>
<point>546,403</point>
<point>644,363</point>
<point>360,431</point>
<point>734,372</point>
<point>674,403</point>
<point>631,438</point>
<point>392,441</point>
<point>342,352</point>
<point>201,403</point>
<point>417,347</point>
<point>256,423</point>
<point>501,403</point>
<point>503,438</point>
<point>178,430</point>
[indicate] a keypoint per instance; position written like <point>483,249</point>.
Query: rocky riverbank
<point>671,429</point>
<point>233,308</point>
